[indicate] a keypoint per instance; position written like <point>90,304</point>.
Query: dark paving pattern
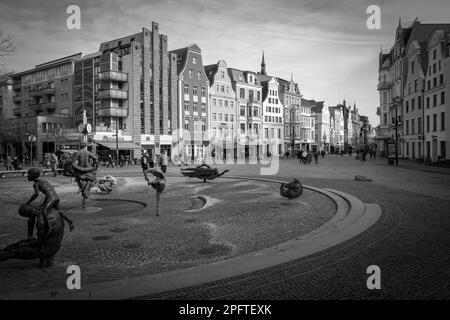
<point>410,243</point>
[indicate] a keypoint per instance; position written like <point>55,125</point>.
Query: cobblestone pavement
<point>124,240</point>
<point>410,243</point>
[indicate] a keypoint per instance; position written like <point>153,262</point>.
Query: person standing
<point>164,162</point>
<point>316,157</point>
<point>8,163</point>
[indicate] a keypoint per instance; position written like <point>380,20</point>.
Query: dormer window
<point>194,60</point>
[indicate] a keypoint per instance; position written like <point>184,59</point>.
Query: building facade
<point>192,138</point>
<point>272,113</point>
<point>291,99</point>
<point>250,120</point>
<point>42,109</point>
<point>322,126</point>
<point>222,111</point>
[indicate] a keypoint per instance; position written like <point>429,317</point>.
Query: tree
<point>7,47</point>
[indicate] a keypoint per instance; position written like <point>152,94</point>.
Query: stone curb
<point>342,227</point>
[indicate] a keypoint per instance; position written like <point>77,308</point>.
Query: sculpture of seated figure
<point>44,247</point>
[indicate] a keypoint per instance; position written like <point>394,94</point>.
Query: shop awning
<point>122,145</point>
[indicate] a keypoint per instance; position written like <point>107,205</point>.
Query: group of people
<point>149,162</point>
<point>12,163</point>
<point>305,156</point>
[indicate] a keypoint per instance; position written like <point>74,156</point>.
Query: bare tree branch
<point>7,45</point>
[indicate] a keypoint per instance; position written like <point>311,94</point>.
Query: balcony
<point>112,112</point>
<point>17,112</point>
<point>383,85</point>
<point>48,90</point>
<point>113,75</point>
<point>113,94</point>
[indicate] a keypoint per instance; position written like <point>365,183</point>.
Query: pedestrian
<point>164,162</point>
<point>110,161</point>
<point>316,157</point>
<point>121,160</point>
<point>374,154</point>
<point>144,164</point>
<point>54,163</point>
<point>16,164</point>
<point>364,155</point>
<point>213,155</point>
<point>8,163</point>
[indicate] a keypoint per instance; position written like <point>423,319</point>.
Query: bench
<point>23,173</point>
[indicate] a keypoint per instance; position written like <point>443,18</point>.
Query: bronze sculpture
<point>84,169</point>
<point>159,184</point>
<point>46,245</point>
<point>291,190</point>
<point>203,172</point>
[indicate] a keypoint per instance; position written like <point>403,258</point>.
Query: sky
<point>325,44</point>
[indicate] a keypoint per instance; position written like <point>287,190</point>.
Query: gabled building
<point>250,120</point>
<point>322,126</point>
<point>222,111</point>
<point>192,137</point>
<point>273,124</point>
<point>291,99</point>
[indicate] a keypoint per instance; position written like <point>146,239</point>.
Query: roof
<point>182,54</point>
<point>119,42</point>
<point>210,71</point>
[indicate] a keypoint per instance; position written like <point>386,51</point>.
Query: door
<point>435,150</point>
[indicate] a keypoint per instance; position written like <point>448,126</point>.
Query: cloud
<point>324,43</point>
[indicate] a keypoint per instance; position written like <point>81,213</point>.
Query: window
<point>258,96</point>
<point>225,117</point>
<point>220,117</point>
<point>226,103</point>
<point>419,103</point>
<point>416,85</point>
<point>406,106</point>
<point>442,121</point>
<point>222,74</point>
<point>434,54</point>
<point>191,73</point>
<point>242,93</point>
<point>186,88</point>
<point>443,97</point>
<point>220,103</point>
<point>434,100</point>
<point>407,127</point>
<point>413,126</point>
<point>266,133</point>
<point>428,102</point>
<point>441,79</point>
<point>199,75</point>
<point>214,102</point>
<point>434,82</point>
<point>186,124</point>
<point>443,149</point>
<point>419,125</point>
<point>242,128</point>
<point>428,123</point>
<point>195,106</point>
<point>44,127</point>
<point>203,106</point>
<point>413,105</point>
<point>242,111</point>
<point>231,117</point>
<point>435,122</point>
<point>413,64</point>
<point>195,90</point>
<point>194,60</point>
<point>231,104</point>
<point>214,116</point>
<point>186,105</point>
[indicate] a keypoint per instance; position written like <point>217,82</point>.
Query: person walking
<point>16,164</point>
<point>316,157</point>
<point>110,161</point>
<point>213,155</point>
<point>54,163</point>
<point>121,160</point>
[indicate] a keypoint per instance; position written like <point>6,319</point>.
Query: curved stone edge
<point>332,233</point>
